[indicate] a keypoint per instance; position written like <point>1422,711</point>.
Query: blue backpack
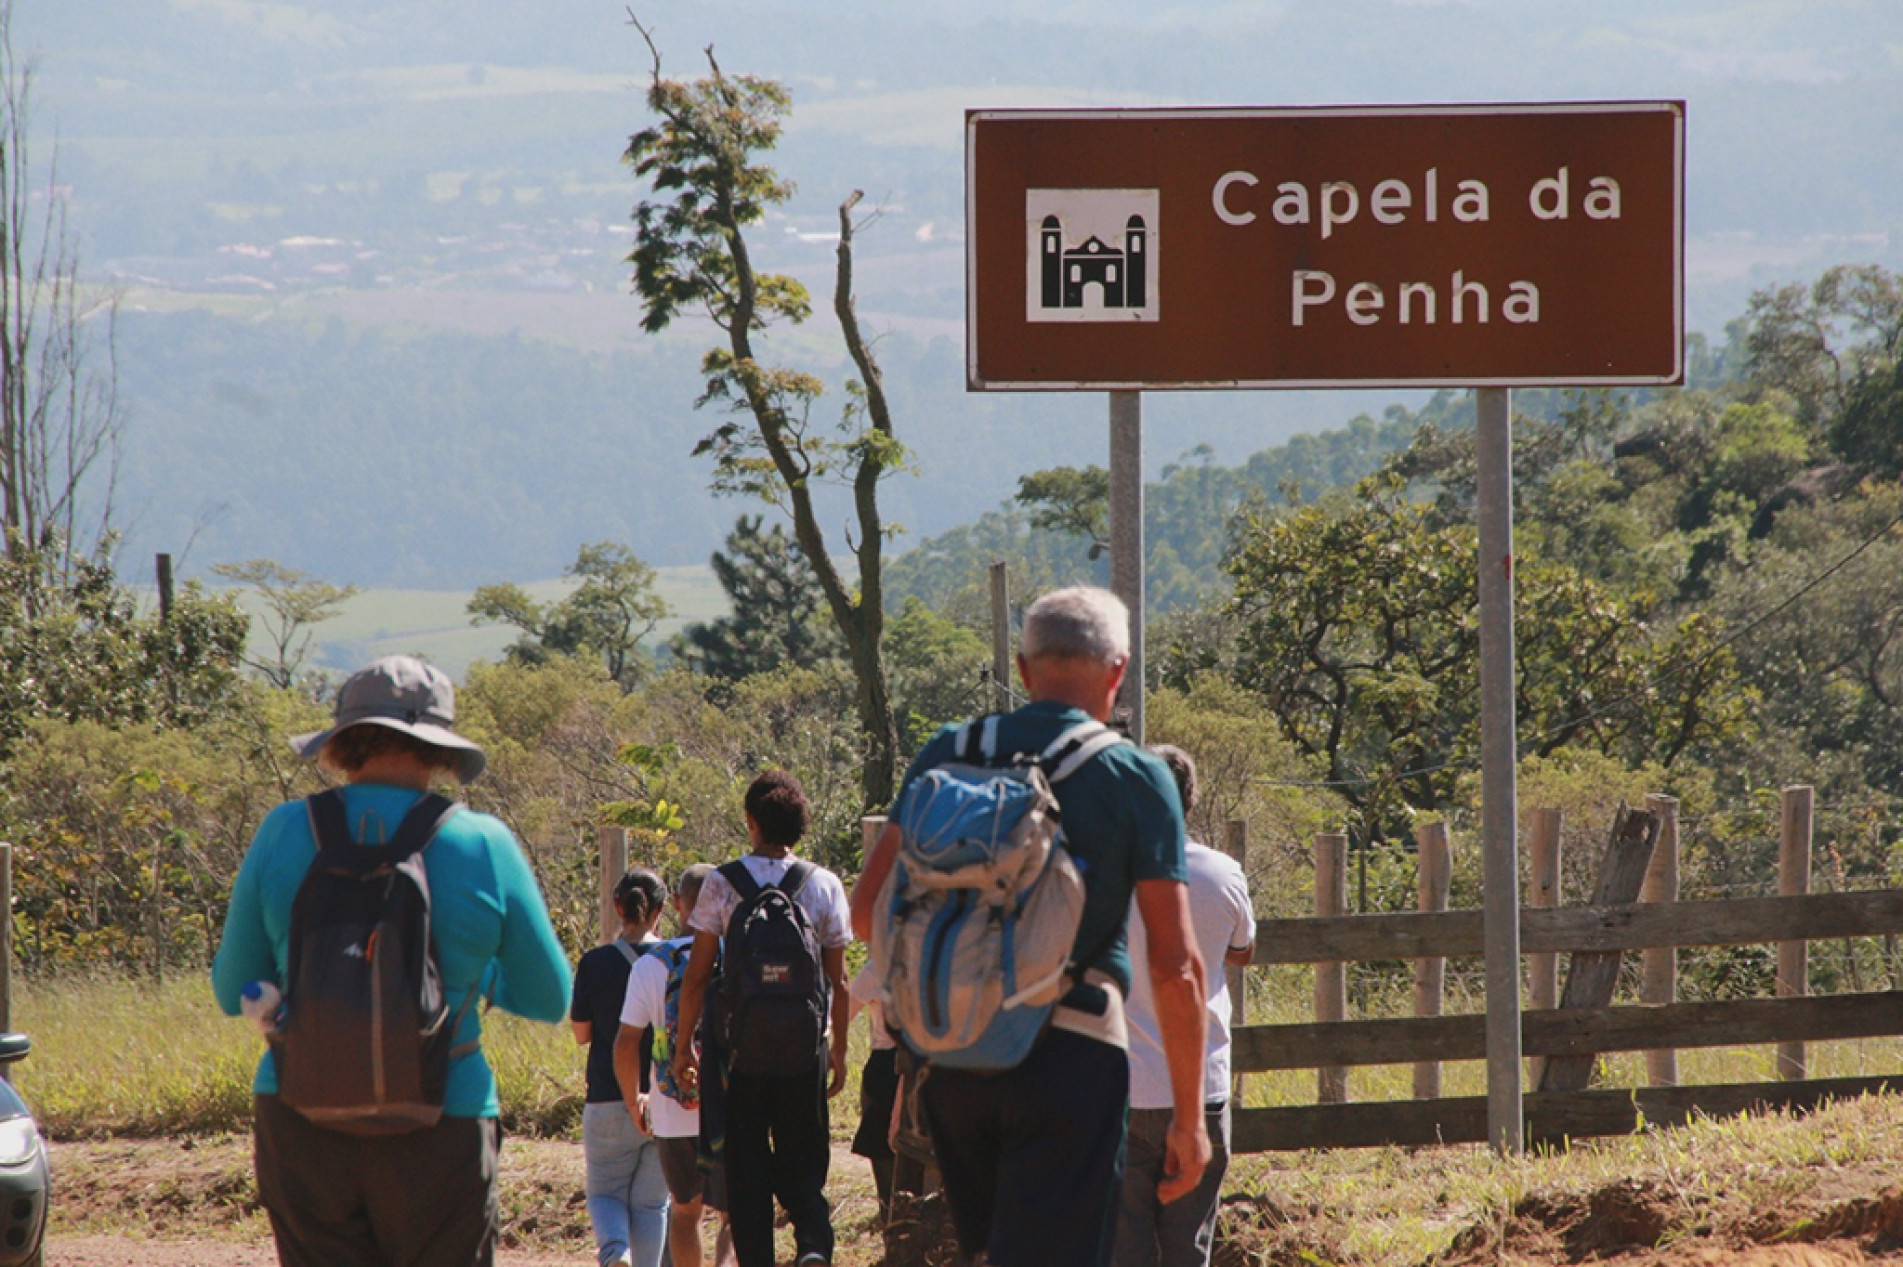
<point>977,923</point>
<point>667,1034</point>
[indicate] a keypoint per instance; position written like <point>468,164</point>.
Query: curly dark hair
<point>353,747</point>
<point>777,802</point>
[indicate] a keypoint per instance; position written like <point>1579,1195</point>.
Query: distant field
<point>435,625</point>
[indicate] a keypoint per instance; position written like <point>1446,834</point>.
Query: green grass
<point>115,1056</point>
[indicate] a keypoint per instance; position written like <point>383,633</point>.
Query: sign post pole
<point>1499,793</point>
<point>1126,537</point>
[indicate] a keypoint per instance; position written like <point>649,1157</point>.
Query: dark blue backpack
<point>365,1043</point>
<point>772,992</point>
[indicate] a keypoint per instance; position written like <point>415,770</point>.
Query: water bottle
<point>261,1001</point>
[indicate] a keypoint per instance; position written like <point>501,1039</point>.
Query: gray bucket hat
<point>404,694</point>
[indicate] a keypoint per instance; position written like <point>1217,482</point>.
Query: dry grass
<point>1713,1184</point>
<point>147,1089</point>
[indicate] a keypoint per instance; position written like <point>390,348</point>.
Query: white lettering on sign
<point>1364,303</point>
<point>1549,199</point>
<point>1304,297</point>
<point>1338,203</point>
<point>1219,197</point>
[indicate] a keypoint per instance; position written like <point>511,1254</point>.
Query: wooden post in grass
<point>613,843</point>
<point>1793,957</point>
<point>1235,843</point>
<point>1331,978</point>
<point>1658,981</point>
<point>1000,644</point>
<point>1434,869</point>
<point>1543,893</point>
<point>1591,976</point>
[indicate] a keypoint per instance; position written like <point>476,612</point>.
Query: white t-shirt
<point>822,897</point>
<point>1219,909</point>
<point>646,1005</point>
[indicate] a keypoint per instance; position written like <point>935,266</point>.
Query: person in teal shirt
<point>427,1197</point>
<point>1031,1157</point>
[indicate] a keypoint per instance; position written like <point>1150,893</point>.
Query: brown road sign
<point>1469,246</point>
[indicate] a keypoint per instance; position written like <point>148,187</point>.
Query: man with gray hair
<point>1031,1157</point>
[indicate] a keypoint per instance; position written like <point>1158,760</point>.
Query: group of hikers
<point>1044,983</point>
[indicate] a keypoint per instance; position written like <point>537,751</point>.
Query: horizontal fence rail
<point>1637,926</point>
<point>1571,1031</point>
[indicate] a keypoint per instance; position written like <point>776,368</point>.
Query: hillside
<point>395,230</point>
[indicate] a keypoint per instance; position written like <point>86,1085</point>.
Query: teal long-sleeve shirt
<point>490,924</point>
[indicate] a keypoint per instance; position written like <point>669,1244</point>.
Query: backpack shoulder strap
<point>330,825</point>
<point>796,876</point>
<point>736,874</point>
<point>976,742</point>
<point>421,824</point>
<point>627,952</point>
<point>1069,751</point>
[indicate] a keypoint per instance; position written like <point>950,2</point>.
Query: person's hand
<point>1185,1154</point>
<point>836,1058</point>
<point>687,1067</point>
<point>642,1122</point>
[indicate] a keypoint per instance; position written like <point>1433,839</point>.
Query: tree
<point>1817,342</point>
<point>293,601</point>
<point>776,603</point>
<point>78,650</point>
<point>692,253</point>
<point>1070,499</point>
<point>59,409</point>
<point>1356,622</point>
<point>608,614</point>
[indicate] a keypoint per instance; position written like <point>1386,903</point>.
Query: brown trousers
<point>425,1199</point>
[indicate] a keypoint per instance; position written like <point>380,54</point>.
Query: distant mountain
<point>412,215</point>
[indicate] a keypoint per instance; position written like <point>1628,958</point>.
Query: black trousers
<point>1032,1158</point>
<point>425,1199</point>
<point>779,1144</point>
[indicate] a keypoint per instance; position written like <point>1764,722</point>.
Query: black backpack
<point>773,992</point>
<point>364,1045</point>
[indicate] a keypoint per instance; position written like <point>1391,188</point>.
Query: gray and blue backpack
<point>978,919</point>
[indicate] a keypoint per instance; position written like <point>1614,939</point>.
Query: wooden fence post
<point>1592,976</point>
<point>613,845</point>
<point>1000,643</point>
<point>1543,893</point>
<point>1658,981</point>
<point>1434,868</point>
<point>1331,978</point>
<point>162,568</point>
<point>1235,843</point>
<point>1793,957</point>
<point>869,828</point>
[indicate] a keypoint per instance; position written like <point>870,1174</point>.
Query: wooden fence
<point>1634,907</point>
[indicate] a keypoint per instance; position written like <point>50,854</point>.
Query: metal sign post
<point>1499,795</point>
<point>1126,537</point>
